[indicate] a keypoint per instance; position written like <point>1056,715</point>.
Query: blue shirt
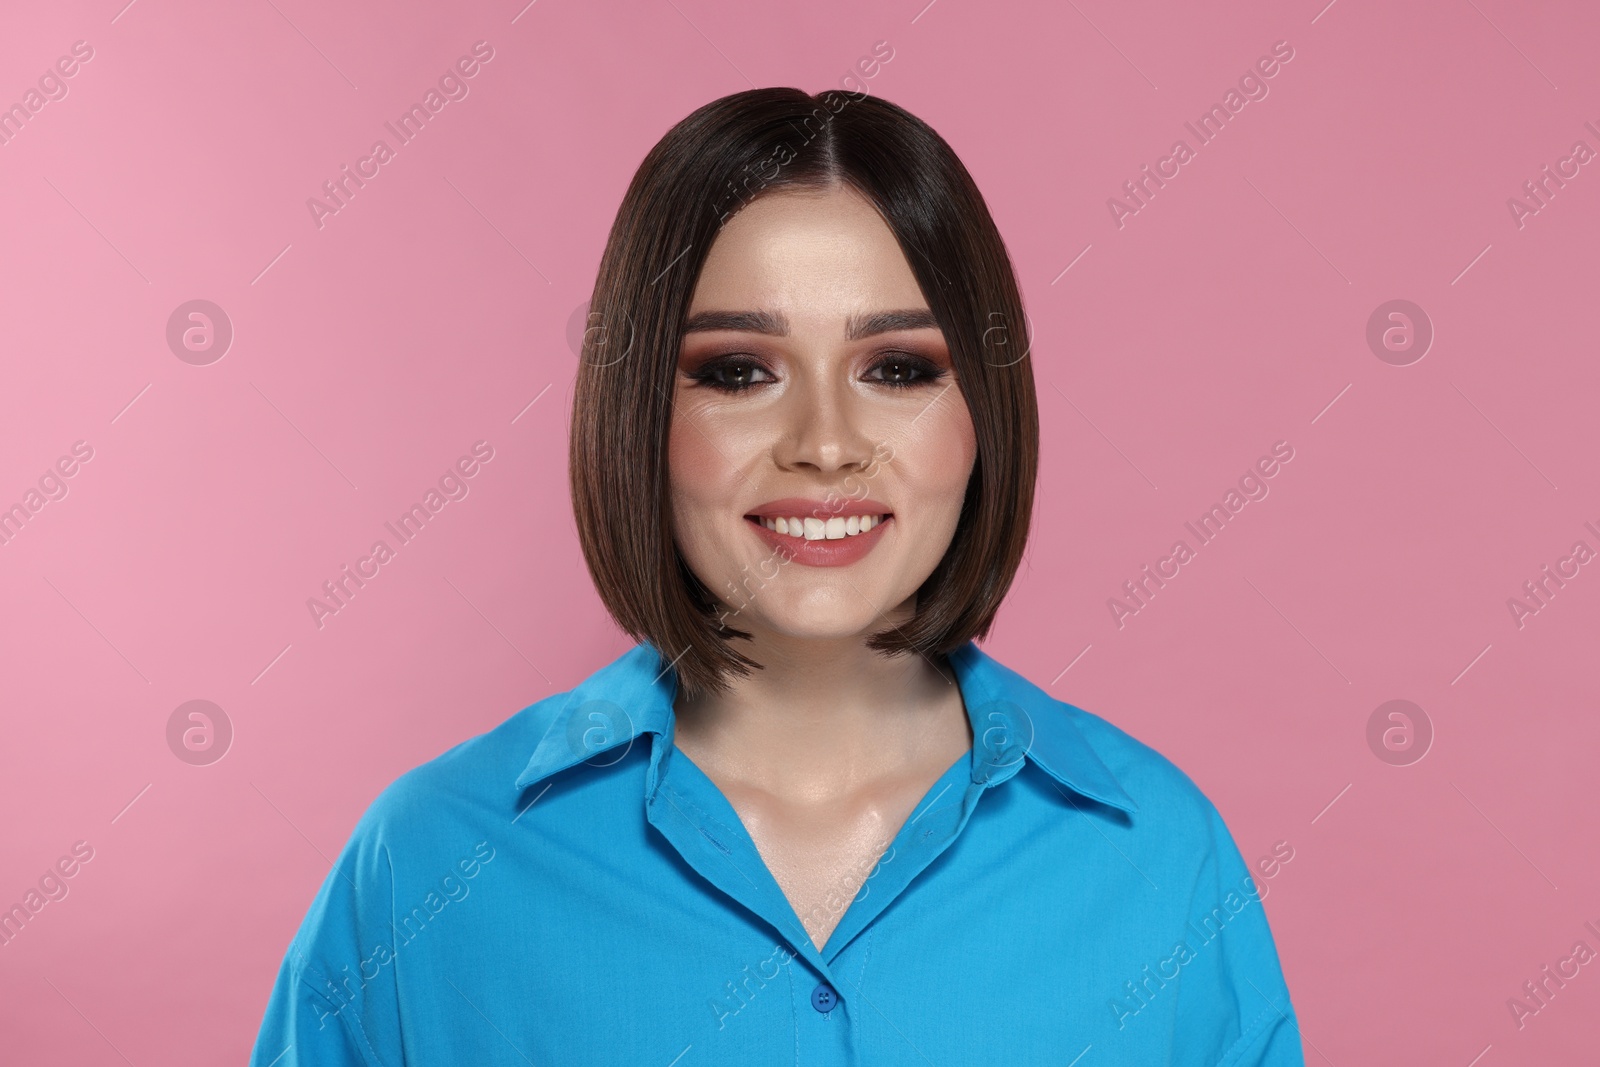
<point>570,889</point>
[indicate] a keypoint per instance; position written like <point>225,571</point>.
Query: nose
<point>823,429</point>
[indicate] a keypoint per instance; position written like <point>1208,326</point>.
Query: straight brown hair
<point>706,168</point>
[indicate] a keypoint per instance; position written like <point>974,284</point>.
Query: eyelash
<point>927,371</point>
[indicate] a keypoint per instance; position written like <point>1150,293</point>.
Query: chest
<point>823,852</point>
<point>1021,906</point>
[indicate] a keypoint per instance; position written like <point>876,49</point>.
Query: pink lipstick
<point>820,534</point>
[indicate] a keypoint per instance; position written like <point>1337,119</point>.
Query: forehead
<point>814,255</point>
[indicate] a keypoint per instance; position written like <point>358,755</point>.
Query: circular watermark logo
<point>1399,732</point>
<point>1003,734</point>
<point>609,339</point>
<point>1399,332</point>
<point>595,727</point>
<point>199,732</point>
<point>1000,348</point>
<point>199,332</point>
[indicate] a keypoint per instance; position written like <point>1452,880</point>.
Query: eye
<point>731,375</point>
<point>904,370</point>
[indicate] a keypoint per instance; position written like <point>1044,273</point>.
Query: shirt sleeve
<point>1233,1004</point>
<point>335,1001</point>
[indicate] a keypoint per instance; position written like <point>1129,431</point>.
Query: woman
<point>805,819</point>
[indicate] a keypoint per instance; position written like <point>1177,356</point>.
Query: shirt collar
<point>1012,720</point>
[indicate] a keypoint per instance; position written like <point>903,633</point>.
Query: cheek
<point>703,463</point>
<point>939,453</point>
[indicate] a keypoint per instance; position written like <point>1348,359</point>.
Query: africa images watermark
<point>1537,994</point>
<point>1136,997</point>
<point>736,997</point>
<point>411,924</point>
<point>1252,486</point>
<point>761,174</point>
<point>52,887</point>
<point>1538,592</point>
<point>1252,86</point>
<point>52,485</point>
<point>453,485</point>
<point>52,86</point>
<point>1539,191</point>
<point>452,86</point>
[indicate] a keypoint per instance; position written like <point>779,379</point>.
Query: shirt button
<point>823,998</point>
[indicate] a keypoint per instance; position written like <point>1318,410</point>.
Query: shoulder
<point>1149,776</point>
<point>427,823</point>
<point>1177,816</point>
<point>1082,744</point>
<point>423,816</point>
<point>470,784</point>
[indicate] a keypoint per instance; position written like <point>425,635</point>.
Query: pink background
<point>436,309</point>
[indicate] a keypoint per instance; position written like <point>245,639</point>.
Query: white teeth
<point>814,529</point>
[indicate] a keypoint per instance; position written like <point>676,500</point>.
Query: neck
<point>823,717</point>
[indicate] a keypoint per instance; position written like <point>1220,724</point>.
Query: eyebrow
<point>775,324</point>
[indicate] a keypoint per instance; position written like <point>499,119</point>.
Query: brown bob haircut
<point>707,167</point>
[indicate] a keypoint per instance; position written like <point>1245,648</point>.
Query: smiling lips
<point>820,534</point>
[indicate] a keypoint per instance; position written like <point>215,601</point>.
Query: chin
<point>836,611</point>
<point>815,625</point>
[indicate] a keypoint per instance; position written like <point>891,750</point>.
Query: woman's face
<point>814,385</point>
